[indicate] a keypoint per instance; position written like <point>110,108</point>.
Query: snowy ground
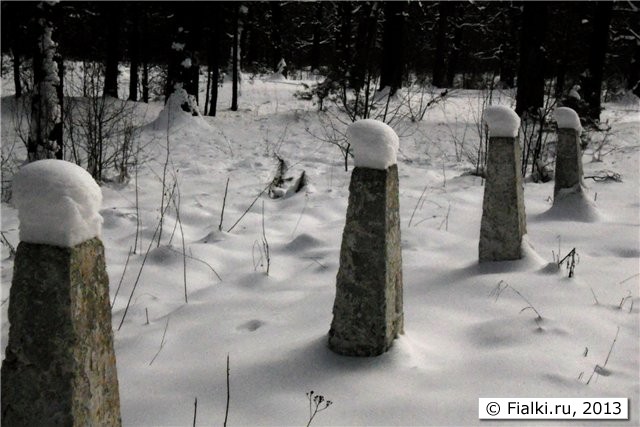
<point>460,343</point>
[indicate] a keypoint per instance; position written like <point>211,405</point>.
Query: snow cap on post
<point>375,144</point>
<point>502,121</point>
<point>58,203</point>
<point>567,119</point>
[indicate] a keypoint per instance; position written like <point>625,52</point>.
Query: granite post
<point>503,216</point>
<point>59,366</point>
<point>568,174</point>
<point>368,312</point>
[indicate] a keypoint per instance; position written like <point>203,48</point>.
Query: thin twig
<point>184,251</point>
<point>121,278</point>
<point>629,278</point>
<point>597,369</point>
<point>199,260</point>
<point>417,204</point>
<point>224,203</point>
<point>166,326</point>
<point>195,411</point>
<point>135,284</point>
<point>12,250</point>
<point>265,243</point>
<point>226,412</point>
<point>249,208</point>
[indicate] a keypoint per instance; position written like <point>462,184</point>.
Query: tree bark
<point>454,50</point>
<point>392,66</point>
<point>314,59</point>
<point>45,133</point>
<point>16,71</point>
<point>365,39</point>
<point>145,82</point>
<point>235,72</point>
<point>214,58</point>
<point>276,33</point>
<point>508,57</point>
<point>530,93</point>
<point>445,9</point>
<point>633,77</point>
<point>597,55</point>
<point>113,50</point>
<point>134,51</point>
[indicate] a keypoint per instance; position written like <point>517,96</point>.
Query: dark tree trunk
<point>633,77</point>
<point>454,51</point>
<point>16,71</point>
<point>392,66</point>
<point>214,58</point>
<point>530,94</point>
<point>234,60</point>
<point>194,16</point>
<point>508,57</point>
<point>445,10</point>
<point>113,50</point>
<point>45,133</point>
<point>365,39</point>
<point>314,59</point>
<point>60,92</point>
<point>134,51</point>
<point>145,60</point>
<point>145,82</point>
<point>343,44</point>
<point>249,52</point>
<point>597,55</point>
<point>561,76</point>
<point>276,33</point>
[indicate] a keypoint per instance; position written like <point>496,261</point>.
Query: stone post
<point>568,174</point>
<point>503,216</point>
<point>59,366</point>
<point>367,312</point>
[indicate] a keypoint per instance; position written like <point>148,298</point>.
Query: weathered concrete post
<point>503,217</point>
<point>367,312</point>
<point>568,175</point>
<point>60,366</point>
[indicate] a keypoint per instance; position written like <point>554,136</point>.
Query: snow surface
<point>502,121</point>
<point>461,341</point>
<point>375,144</point>
<point>58,203</point>
<point>567,118</point>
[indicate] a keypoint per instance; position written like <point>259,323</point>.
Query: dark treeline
<point>450,44</point>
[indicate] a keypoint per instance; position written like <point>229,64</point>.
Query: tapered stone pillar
<point>568,174</point>
<point>367,312</point>
<point>59,366</point>
<point>503,216</point>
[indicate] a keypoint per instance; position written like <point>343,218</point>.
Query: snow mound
<point>174,116</point>
<point>567,119</point>
<point>375,144</point>
<point>572,205</point>
<point>502,121</point>
<point>58,203</point>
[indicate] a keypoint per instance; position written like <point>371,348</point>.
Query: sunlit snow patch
<point>58,203</point>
